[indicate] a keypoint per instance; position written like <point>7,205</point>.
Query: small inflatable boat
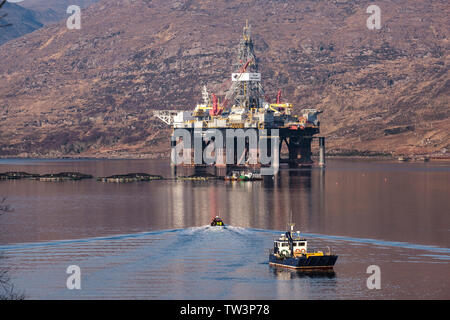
<point>217,222</point>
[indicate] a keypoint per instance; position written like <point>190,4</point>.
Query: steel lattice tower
<point>246,93</point>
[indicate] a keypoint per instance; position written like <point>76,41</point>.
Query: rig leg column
<point>189,148</point>
<point>274,147</point>
<point>253,156</point>
<point>294,149</point>
<point>198,147</point>
<point>276,157</point>
<point>220,157</point>
<point>173,151</point>
<point>219,149</point>
<point>305,151</point>
<point>322,151</point>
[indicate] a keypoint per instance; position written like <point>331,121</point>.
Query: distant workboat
<point>243,176</point>
<point>291,251</point>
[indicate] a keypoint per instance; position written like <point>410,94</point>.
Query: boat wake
<point>203,232</point>
<point>170,264</point>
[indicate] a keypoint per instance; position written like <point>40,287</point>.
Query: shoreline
<point>412,158</point>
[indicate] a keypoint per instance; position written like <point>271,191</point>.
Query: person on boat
<point>217,221</point>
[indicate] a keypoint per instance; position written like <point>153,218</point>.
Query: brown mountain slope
<point>90,92</point>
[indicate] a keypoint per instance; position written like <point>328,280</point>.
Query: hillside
<point>91,92</point>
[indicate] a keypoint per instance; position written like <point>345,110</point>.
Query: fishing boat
<point>291,251</point>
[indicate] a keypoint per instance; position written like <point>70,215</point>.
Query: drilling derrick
<point>245,106</point>
<point>246,90</point>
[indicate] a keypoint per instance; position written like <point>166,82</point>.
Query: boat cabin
<point>282,246</point>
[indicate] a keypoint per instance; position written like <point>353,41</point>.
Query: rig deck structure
<point>246,106</point>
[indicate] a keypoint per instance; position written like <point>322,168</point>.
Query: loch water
<point>152,240</point>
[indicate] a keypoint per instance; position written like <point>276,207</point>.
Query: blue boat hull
<point>312,262</point>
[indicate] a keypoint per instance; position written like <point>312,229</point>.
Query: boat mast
<point>289,236</point>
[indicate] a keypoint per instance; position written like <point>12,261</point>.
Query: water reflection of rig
<point>245,107</point>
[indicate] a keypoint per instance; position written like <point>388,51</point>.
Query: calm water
<point>151,240</point>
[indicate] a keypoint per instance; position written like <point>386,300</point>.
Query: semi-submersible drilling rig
<point>246,107</point>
